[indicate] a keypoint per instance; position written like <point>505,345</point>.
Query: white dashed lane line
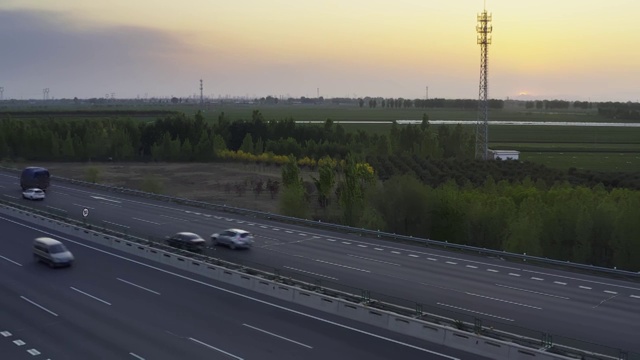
<point>537,279</point>
<point>413,255</point>
<point>635,296</point>
<point>560,283</point>
<point>611,292</point>
<point>471,266</point>
<point>362,246</point>
<point>396,252</point>
<point>514,274</point>
<point>378,261</point>
<point>584,287</point>
<point>492,270</point>
<point>531,291</point>
<point>451,263</point>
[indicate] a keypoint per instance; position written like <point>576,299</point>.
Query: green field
<point>623,162</point>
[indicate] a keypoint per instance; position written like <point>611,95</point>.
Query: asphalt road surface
<point>507,296</point>
<point>109,305</point>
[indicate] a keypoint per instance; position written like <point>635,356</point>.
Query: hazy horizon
<point>574,50</point>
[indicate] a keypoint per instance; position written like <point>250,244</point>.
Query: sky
<point>542,49</point>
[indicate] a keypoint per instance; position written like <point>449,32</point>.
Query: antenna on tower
<point>484,29</point>
<point>201,94</point>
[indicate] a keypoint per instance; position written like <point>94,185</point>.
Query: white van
<point>52,252</point>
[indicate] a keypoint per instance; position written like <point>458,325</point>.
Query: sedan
<point>233,238</point>
<point>33,194</point>
<point>186,240</point>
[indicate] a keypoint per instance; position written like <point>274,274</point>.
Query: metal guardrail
<point>465,322</point>
<point>349,229</point>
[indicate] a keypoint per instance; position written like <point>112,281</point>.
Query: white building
<point>504,154</point>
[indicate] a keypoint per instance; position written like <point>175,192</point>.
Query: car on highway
<point>186,240</point>
<point>233,238</point>
<point>33,194</point>
<point>52,252</point>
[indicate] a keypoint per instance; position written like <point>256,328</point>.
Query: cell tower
<point>201,94</point>
<point>483,29</point>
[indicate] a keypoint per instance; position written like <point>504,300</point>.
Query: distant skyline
<point>544,49</point>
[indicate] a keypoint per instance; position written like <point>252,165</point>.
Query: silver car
<point>52,252</point>
<point>233,238</point>
<point>33,194</point>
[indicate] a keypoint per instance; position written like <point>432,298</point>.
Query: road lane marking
<point>611,292</point>
<point>288,231</point>
<point>340,265</point>
<point>537,278</point>
<point>584,287</point>
<point>10,196</point>
<point>414,255</point>
<point>332,240</point>
<point>379,261</point>
<point>19,342</point>
<point>138,286</point>
<point>275,229</point>
<point>9,260</point>
<point>61,193</point>
<point>492,270</point>
<point>89,295</point>
<point>504,301</point>
<point>302,234</point>
<point>84,206</point>
<point>451,263</point>
<point>240,295</point>
<point>115,224</point>
<point>174,218</point>
<point>5,333</point>
<point>136,356</point>
<point>346,243</point>
<point>362,246</point>
<point>33,352</point>
<point>105,199</point>
<point>635,296</point>
<point>110,204</point>
<point>396,252</point>
<point>560,283</point>
<point>278,336</point>
<point>309,272</point>
<point>147,221</point>
<point>378,249</point>
<point>514,274</point>
<point>605,300</point>
<point>472,267</point>
<point>532,292</point>
<point>432,259</point>
<point>215,348</point>
<point>56,209</point>
<point>475,312</point>
<point>38,305</point>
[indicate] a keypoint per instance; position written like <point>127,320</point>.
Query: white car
<point>33,194</point>
<point>233,238</point>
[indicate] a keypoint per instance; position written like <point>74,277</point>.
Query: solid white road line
<point>136,356</point>
<point>379,261</point>
<point>475,312</point>
<point>278,336</point>
<point>147,221</point>
<point>89,295</point>
<point>248,297</point>
<point>532,292</point>
<point>9,260</point>
<point>504,301</point>
<point>138,286</point>
<point>38,305</point>
<point>215,348</point>
<point>309,272</point>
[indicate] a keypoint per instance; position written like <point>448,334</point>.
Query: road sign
<point>85,212</point>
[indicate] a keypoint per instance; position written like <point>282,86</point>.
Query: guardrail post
<point>547,340</point>
<point>365,296</point>
<point>477,325</point>
<point>418,309</point>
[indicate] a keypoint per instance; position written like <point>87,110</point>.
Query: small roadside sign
<point>85,212</point>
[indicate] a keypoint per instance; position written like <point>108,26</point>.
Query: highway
<point>112,306</point>
<point>504,295</point>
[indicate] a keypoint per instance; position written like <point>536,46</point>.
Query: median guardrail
<point>465,327</point>
<point>352,230</point>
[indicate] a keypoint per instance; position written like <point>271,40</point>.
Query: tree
<point>247,144</point>
<point>291,173</point>
<point>325,183</point>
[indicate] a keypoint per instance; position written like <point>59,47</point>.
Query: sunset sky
<point>548,49</point>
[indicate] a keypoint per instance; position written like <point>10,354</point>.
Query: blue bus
<point>34,177</point>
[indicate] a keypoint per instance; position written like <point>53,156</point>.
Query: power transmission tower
<point>45,94</point>
<point>484,30</point>
<point>1,92</point>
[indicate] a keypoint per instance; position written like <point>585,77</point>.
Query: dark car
<point>34,177</point>
<point>186,240</point>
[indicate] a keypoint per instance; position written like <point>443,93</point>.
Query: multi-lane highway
<point>505,295</point>
<point>113,306</point>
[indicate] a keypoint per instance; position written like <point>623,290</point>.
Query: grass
<point>606,162</point>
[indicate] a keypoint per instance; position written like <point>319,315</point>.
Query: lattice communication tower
<point>484,29</point>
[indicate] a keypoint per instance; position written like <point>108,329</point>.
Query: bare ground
<point>220,183</point>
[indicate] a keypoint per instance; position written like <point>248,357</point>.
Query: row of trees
<point>180,138</point>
